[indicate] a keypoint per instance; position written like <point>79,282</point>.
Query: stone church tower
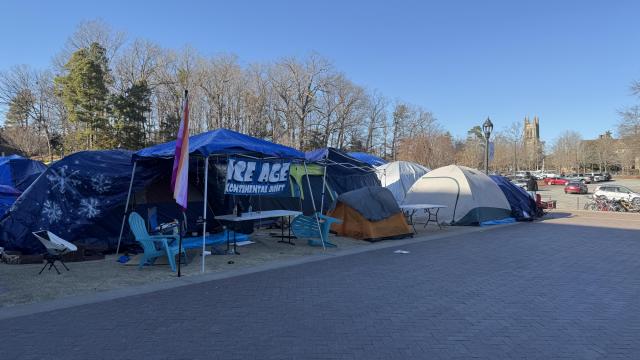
<point>532,144</point>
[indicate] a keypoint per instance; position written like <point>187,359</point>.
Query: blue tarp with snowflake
<point>80,198</point>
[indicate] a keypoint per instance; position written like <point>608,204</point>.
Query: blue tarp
<point>368,158</point>
<point>19,172</point>
<point>523,206</point>
<point>508,220</point>
<point>8,196</point>
<point>80,198</point>
<point>344,173</point>
<point>222,142</point>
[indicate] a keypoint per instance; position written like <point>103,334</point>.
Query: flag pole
<point>180,241</point>
<point>184,125</point>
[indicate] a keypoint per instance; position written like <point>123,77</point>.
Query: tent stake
<point>126,207</point>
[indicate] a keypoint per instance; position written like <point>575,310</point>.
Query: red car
<point>575,188</point>
<point>556,181</point>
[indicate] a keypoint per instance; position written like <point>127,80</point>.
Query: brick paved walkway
<point>556,289</point>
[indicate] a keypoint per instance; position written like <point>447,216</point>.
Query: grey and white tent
<point>399,176</point>
<point>471,196</point>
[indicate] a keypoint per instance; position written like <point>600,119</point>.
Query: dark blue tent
<point>344,173</point>
<point>80,198</point>
<point>523,206</point>
<point>368,158</point>
<point>8,196</point>
<point>222,142</point>
<point>19,172</point>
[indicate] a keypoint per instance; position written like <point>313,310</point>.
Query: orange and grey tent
<point>370,213</point>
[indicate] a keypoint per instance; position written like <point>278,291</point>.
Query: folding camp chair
<point>56,248</point>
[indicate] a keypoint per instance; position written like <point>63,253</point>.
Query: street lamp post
<point>487,128</point>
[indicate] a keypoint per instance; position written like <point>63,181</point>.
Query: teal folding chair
<point>154,246</point>
<point>306,227</point>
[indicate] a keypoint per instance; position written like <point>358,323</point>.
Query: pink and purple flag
<point>180,176</point>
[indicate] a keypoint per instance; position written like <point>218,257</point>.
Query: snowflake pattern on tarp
<point>52,211</point>
<point>81,192</point>
<point>101,183</point>
<point>89,208</point>
<point>64,180</point>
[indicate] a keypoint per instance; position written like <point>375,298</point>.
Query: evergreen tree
<point>130,111</point>
<point>85,95</point>
<point>20,109</point>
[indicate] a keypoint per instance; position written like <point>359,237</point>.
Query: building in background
<point>533,147</point>
<point>607,153</point>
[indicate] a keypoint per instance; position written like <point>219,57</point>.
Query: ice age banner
<point>256,177</point>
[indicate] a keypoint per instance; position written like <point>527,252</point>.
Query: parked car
<point>576,187</point>
<point>607,176</point>
<point>588,179</point>
<point>521,182</point>
<point>556,181</point>
<point>617,192</point>
<point>576,178</point>
<point>597,177</point>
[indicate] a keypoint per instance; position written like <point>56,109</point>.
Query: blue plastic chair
<point>306,227</point>
<point>154,246</point>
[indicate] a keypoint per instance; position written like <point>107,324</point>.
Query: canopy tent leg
<point>204,211</point>
<point>314,205</point>
<point>324,185</point>
<point>126,207</point>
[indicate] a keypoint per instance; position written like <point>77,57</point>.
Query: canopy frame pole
<point>126,206</point>
<point>204,210</point>
<point>315,212</point>
<point>324,185</point>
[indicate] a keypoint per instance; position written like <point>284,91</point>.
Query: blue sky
<point>569,62</point>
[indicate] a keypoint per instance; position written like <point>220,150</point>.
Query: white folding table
<point>258,215</point>
<point>410,211</point>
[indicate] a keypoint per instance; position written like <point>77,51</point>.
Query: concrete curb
<point>72,301</point>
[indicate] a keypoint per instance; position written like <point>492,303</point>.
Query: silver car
<point>617,192</point>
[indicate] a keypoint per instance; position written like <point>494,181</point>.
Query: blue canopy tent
<point>78,198</point>
<point>368,158</point>
<point>343,172</point>
<point>523,206</point>
<point>220,143</point>
<point>19,172</point>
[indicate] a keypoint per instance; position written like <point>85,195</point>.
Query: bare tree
<point>29,95</point>
<point>88,32</point>
<point>376,110</point>
<point>513,134</point>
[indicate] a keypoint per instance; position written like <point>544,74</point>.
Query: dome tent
<point>471,196</point>
<point>344,173</point>
<point>369,213</point>
<point>8,196</point>
<point>78,197</point>
<point>399,176</point>
<point>523,206</point>
<point>19,172</point>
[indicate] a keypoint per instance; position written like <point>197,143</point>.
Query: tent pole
<point>324,185</point>
<point>204,211</point>
<point>126,207</point>
<point>314,205</point>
